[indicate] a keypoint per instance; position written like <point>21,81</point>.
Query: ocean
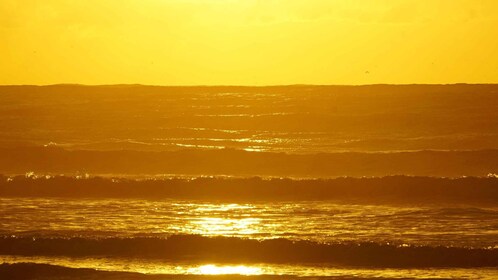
<point>316,182</point>
<point>308,238</point>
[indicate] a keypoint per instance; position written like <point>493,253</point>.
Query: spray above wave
<point>229,250</point>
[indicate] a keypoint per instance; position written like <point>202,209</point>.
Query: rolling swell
<point>396,189</point>
<point>229,249</point>
<point>242,163</point>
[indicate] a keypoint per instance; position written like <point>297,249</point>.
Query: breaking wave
<point>396,189</point>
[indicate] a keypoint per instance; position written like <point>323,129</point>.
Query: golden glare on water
<point>211,269</point>
<point>223,226</point>
<point>219,219</point>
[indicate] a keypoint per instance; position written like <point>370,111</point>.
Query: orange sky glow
<point>248,42</point>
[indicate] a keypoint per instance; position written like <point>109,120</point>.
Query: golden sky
<point>248,42</point>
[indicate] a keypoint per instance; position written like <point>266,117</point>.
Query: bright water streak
<point>316,221</point>
<point>161,267</point>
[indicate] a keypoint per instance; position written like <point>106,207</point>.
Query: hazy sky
<point>248,42</point>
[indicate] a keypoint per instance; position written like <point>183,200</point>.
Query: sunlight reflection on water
<point>306,220</point>
<point>158,267</point>
<point>211,269</point>
<point>221,226</point>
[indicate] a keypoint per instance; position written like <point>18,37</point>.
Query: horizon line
<point>255,86</point>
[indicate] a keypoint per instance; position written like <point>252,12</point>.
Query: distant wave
<point>230,249</point>
<point>397,189</point>
<point>300,118</point>
<point>241,163</point>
